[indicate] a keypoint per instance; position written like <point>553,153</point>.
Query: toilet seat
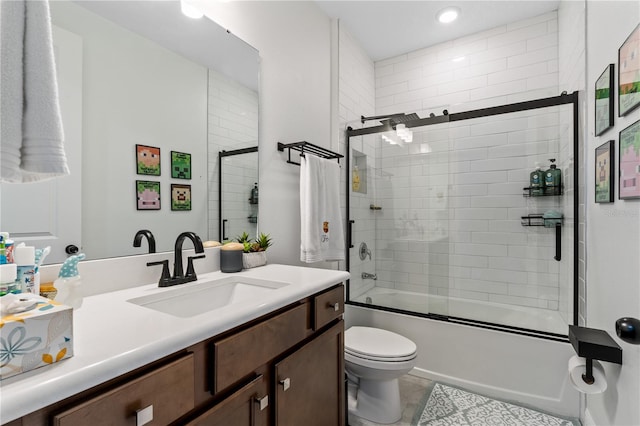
<point>374,344</point>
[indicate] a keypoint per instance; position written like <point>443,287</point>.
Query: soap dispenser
<point>254,194</point>
<point>553,179</point>
<point>536,182</point>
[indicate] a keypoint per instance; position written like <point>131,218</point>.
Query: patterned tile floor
<point>412,390</point>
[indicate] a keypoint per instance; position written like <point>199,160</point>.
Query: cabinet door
<point>245,407</point>
<point>310,382</point>
<point>163,395</point>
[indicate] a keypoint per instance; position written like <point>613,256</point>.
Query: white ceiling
<point>390,28</point>
<point>199,40</point>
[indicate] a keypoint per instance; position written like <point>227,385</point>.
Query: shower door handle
<point>350,233</point>
<point>558,255</point>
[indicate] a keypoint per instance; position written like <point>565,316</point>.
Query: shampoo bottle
<point>536,181</point>
<point>553,179</point>
<point>254,194</point>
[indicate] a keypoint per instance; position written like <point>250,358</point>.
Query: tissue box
<point>36,338</point>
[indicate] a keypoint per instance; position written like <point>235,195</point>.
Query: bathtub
<point>507,366</point>
<point>489,312</point>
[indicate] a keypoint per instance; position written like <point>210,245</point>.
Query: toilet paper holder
<point>591,343</point>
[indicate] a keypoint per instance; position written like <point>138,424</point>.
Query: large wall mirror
<point>135,74</point>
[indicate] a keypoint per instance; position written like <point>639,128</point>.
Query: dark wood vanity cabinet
<point>285,368</point>
<point>310,382</point>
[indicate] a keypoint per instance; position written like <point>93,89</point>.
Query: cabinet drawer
<point>240,354</point>
<point>328,306</point>
<point>247,406</point>
<point>169,389</point>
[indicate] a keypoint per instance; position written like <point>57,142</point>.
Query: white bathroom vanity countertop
<point>112,336</point>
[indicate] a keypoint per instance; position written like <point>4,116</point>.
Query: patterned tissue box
<point>36,338</point>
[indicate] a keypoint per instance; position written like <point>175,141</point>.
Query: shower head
<point>404,118</point>
<point>392,119</point>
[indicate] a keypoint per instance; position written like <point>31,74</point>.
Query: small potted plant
<point>255,252</point>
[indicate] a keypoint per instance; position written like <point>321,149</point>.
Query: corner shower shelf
<point>540,220</point>
<point>547,222</point>
<point>548,191</point>
<point>304,147</point>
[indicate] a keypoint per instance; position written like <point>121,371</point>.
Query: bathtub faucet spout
<point>367,276</point>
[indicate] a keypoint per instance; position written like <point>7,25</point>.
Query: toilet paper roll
<point>578,367</point>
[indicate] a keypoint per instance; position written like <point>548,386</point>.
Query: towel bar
<point>306,147</point>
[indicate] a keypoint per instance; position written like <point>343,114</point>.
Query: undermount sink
<point>195,299</point>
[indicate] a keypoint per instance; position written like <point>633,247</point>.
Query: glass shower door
<point>398,204</point>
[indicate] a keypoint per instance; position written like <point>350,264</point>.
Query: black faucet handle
<point>165,271</point>
<point>191,272</point>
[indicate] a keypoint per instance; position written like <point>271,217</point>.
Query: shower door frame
<point>563,99</point>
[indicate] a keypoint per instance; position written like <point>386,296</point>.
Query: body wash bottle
<point>536,181</point>
<point>553,179</point>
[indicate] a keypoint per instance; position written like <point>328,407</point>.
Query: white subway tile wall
<point>233,124</point>
<point>456,193</point>
<point>452,200</point>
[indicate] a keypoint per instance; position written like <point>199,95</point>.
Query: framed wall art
<point>604,173</point>
<point>180,165</point>
<point>629,182</point>
<point>604,100</point>
<point>147,160</point>
<point>180,197</point>
<point>147,195</point>
<point>629,73</point>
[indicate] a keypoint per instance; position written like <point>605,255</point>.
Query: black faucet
<point>150,239</point>
<point>179,277</point>
<point>177,259</point>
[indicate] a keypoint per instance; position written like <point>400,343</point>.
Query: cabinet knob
<point>286,384</point>
<point>335,306</point>
<point>262,402</point>
<point>144,416</point>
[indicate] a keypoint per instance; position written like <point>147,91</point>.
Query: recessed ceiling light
<point>190,10</point>
<point>448,15</point>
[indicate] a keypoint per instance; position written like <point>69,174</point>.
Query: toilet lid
<point>375,343</point>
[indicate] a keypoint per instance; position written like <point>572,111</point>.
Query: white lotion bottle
<point>25,260</point>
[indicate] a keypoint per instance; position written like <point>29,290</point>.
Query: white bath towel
<point>321,233</point>
<point>31,135</point>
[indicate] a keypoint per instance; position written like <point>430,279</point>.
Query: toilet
<point>374,360</point>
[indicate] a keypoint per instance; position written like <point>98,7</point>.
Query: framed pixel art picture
<point>604,100</point>
<point>180,197</point>
<point>180,165</point>
<point>604,173</point>
<point>629,73</point>
<point>147,195</point>
<point>147,160</point>
<point>629,182</point>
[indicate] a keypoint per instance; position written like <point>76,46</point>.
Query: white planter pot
<point>251,260</point>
